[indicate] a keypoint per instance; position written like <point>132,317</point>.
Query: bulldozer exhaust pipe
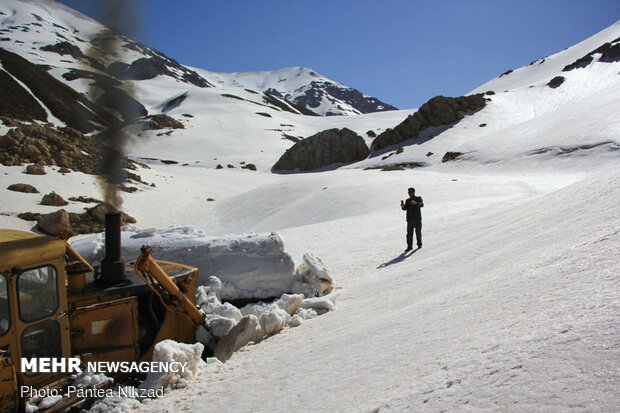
<point>112,265</point>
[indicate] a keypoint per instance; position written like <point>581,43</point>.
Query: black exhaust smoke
<point>112,265</point>
<point>121,18</point>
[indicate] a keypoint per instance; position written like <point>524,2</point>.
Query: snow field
<point>513,307</point>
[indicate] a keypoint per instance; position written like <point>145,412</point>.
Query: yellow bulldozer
<point>54,305</point>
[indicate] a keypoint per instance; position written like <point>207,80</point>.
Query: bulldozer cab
<point>54,305</point>
<point>33,305</point>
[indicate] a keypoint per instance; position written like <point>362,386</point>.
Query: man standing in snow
<point>414,218</point>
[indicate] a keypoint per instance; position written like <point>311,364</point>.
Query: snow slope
<point>512,303</point>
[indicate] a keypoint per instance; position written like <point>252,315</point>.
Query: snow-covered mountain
<point>307,88</point>
<point>51,34</point>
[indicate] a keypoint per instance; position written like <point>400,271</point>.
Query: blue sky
<point>402,52</point>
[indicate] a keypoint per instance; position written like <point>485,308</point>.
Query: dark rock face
<point>610,52</point>
<point>277,100</point>
<point>161,62</point>
<point>438,111</point>
<point>323,149</point>
<point>17,102</point>
<point>451,156</point>
<point>64,48</point>
<point>65,103</point>
<point>556,82</point>
<point>148,68</point>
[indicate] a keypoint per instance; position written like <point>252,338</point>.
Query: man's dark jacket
<point>413,211</point>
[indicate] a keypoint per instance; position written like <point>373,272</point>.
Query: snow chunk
<point>302,314</point>
<point>312,277</point>
<point>248,329</point>
<point>90,379</point>
<point>273,321</point>
<point>321,304</point>
<point>290,302</point>
<point>168,351</point>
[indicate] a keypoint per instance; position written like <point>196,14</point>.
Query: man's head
<point>411,191</point>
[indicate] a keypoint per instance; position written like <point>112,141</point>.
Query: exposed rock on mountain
<point>323,149</point>
<point>316,92</point>
<point>48,146</point>
<point>610,52</point>
<point>451,156</point>
<point>65,103</point>
<point>17,102</point>
<point>64,48</point>
<point>155,64</point>
<point>286,105</point>
<point>164,122</point>
<point>440,110</point>
<point>556,82</point>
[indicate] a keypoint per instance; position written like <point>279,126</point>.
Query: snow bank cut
<point>248,265</point>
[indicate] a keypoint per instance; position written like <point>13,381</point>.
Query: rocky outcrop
<point>48,146</point>
<point>53,199</point>
<point>164,122</point>
<point>451,156</point>
<point>438,111</point>
<point>55,223</point>
<point>323,149</point>
<point>91,221</point>
<point>148,68</point>
<point>64,48</point>
<point>64,147</point>
<point>556,82</point>
<point>609,52</point>
<point>35,169</point>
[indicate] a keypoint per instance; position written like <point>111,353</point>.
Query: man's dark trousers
<point>411,225</point>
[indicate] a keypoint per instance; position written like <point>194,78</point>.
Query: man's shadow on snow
<point>398,259</point>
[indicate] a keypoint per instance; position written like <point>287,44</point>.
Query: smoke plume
<point>120,18</point>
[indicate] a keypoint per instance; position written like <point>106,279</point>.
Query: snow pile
<point>231,328</point>
<point>234,267</point>
<point>248,265</point>
<point>168,351</point>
